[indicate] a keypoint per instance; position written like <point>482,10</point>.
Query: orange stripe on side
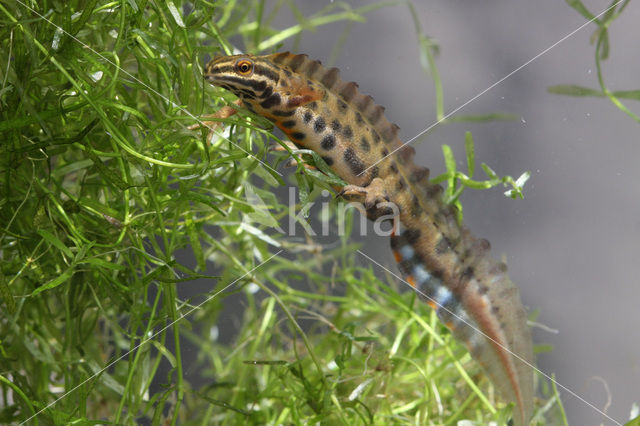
<point>397,256</point>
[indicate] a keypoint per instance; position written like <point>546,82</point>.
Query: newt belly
<point>451,269</point>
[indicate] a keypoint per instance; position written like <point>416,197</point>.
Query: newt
<point>450,268</point>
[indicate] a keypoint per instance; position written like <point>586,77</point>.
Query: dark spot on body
<point>400,184</point>
<point>353,161</point>
<point>406,265</point>
<point>376,137</point>
<point>379,210</point>
<point>328,142</point>
<point>298,135</point>
<point>342,105</point>
<point>328,160</point>
<point>319,125</point>
<point>364,144</point>
<point>359,119</point>
<point>347,132</point>
<point>384,152</point>
<point>374,174</point>
<point>416,209</point>
<point>412,235</point>
<point>289,123</point>
<point>467,274</point>
<point>313,106</point>
<point>283,113</point>
<point>393,168</point>
<point>307,117</point>
<point>335,125</point>
<point>396,242</point>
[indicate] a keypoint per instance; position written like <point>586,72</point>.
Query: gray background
<point>573,243</point>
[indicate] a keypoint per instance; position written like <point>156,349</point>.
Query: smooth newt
<point>451,270</point>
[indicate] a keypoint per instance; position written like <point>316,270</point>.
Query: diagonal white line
<point>189,312</point>
<point>493,340</point>
<point>151,89</point>
<point>449,114</point>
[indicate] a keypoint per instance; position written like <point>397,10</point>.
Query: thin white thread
<point>211,297</point>
<point>166,99</point>
<point>493,340</point>
<point>449,114</point>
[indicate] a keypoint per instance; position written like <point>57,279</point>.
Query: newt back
<point>451,270</point>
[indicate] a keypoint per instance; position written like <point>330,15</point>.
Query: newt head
<point>263,87</point>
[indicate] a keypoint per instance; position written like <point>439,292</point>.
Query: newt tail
<point>451,269</point>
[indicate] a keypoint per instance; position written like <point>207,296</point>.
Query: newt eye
<point>244,67</point>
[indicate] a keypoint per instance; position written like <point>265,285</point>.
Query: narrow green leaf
<point>489,171</point>
<point>176,14</point>
<point>484,118</point>
<point>55,282</point>
<point>449,159</point>
<point>101,263</point>
<point>471,155</point>
<point>52,239</point>
<point>581,8</point>
<point>196,246</point>
<point>627,94</point>
<point>573,90</point>
<point>450,163</point>
<point>259,233</point>
<point>83,251</point>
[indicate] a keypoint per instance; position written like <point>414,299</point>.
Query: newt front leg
<point>224,112</point>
